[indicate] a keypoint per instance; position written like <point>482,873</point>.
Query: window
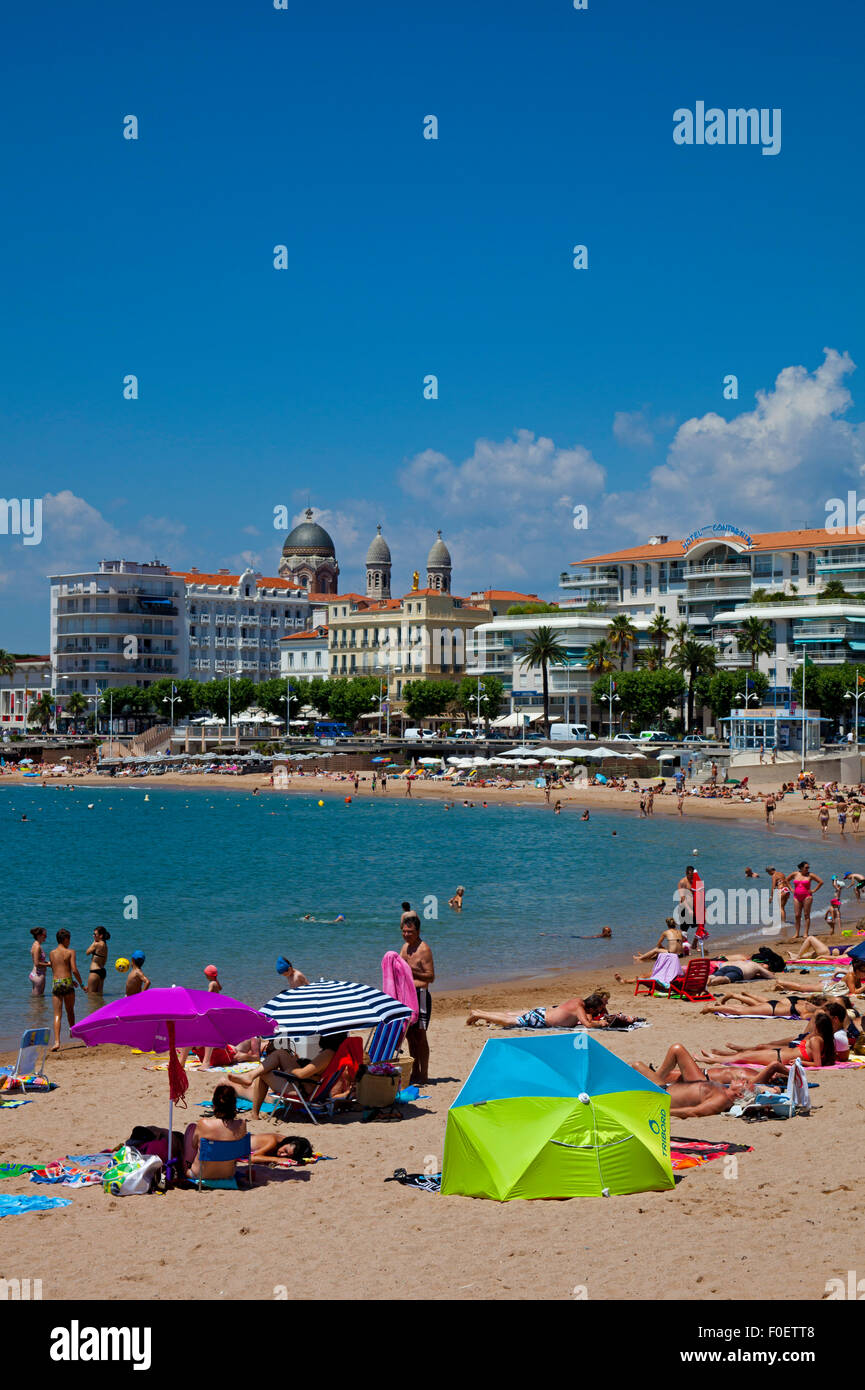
<point>812,567</point>
<point>662,577</point>
<point>633,580</point>
<point>794,566</point>
<point>647,578</point>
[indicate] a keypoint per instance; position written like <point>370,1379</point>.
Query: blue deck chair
<point>31,1054</point>
<point>384,1042</point>
<point>219,1151</point>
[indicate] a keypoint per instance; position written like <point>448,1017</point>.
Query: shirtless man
<point>419,958</point>
<point>590,1012</point>
<point>671,939</point>
<point>64,969</point>
<point>685,887</point>
<point>735,969</point>
<point>694,1094</point>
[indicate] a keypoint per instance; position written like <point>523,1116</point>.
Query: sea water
<point>219,876</point>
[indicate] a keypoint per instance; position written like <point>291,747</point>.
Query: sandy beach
<point>776,1224</point>
<point>793,813</point>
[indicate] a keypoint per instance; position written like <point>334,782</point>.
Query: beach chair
<point>292,1097</point>
<point>783,1105</point>
<point>384,1043</point>
<point>690,986</point>
<point>221,1150</point>
<point>31,1054</point>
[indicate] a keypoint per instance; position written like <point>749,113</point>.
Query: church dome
<point>439,554</point>
<point>308,539</point>
<point>379,551</point>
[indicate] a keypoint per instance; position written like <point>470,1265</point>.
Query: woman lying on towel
<point>815,1049</point>
<point>844,1021</point>
<point>740,1004</point>
<point>692,1091</point>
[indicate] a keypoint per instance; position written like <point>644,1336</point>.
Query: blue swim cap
<point>138,957</point>
<point>282,965</point>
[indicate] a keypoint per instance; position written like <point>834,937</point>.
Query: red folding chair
<point>690,986</point>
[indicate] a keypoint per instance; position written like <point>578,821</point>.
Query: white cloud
<point>632,429</point>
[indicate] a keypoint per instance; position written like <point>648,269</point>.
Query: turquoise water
<point>222,877</point>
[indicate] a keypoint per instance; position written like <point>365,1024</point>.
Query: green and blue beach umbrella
<point>556,1116</point>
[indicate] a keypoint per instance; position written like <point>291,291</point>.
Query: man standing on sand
<point>419,958</point>
<point>64,970</point>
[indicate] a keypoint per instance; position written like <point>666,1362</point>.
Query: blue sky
<point>407,257</point>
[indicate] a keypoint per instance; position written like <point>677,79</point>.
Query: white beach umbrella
<point>455,762</point>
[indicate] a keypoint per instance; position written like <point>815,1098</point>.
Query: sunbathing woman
<point>695,1094</point>
<point>742,1005</point>
<point>815,1049</point>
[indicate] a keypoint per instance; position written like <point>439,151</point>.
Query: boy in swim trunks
<point>64,970</point>
<point>136,980</point>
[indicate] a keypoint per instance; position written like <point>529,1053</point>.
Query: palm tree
<point>599,656</point>
<point>694,659</point>
<point>756,636</point>
<point>41,711</point>
<point>76,705</point>
<point>7,663</point>
<point>649,660</point>
<point>621,634</point>
<point>544,649</point>
<point>833,589</point>
<point>661,629</point>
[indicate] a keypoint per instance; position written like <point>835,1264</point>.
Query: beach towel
<point>694,1153</point>
<point>398,981</point>
<point>71,1174</point>
<point>424,1182</point>
<point>15,1206</point>
<point>667,968</point>
<point>10,1102</point>
<point>15,1170</point>
<point>30,1082</point>
<point>856,1062</point>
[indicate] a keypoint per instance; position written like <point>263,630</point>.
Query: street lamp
<point>289,691</point>
<point>481,690</point>
<point>165,700</point>
<point>854,696</point>
<point>612,696</point>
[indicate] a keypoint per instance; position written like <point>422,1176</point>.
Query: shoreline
<point>792,814</point>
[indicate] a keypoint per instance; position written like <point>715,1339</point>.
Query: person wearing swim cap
<point>136,980</point>
<point>212,975</point>
<point>294,979</point>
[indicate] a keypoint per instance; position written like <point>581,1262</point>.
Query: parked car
<point>695,738</point>
<point>419,735</point>
<point>625,738</point>
<point>648,735</point>
<point>466,736</point>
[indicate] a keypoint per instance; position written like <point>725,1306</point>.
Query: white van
<point>566,733</point>
<point>465,736</point>
<point>416,735</point>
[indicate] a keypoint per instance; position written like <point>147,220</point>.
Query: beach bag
<point>131,1173</point>
<point>772,961</point>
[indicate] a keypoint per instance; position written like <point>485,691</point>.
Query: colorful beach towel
<point>15,1170</point>
<point>69,1174</point>
<point>694,1153</point>
<point>28,1082</point>
<point>10,1102</point>
<point>16,1206</point>
<point>855,1062</point>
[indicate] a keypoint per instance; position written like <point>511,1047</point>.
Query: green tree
<point>350,697</point>
<point>645,696</point>
<point>215,695</point>
<point>517,608</point>
<point>270,696</point>
<point>41,711</point>
<point>833,591</point>
<point>76,705</point>
<point>756,636</point>
<point>425,698</point>
<point>7,663</point>
<point>491,701</point>
<point>599,656</point>
<point>718,690</point>
<point>695,659</point>
<point>621,634</point>
<point>544,649</point>
<point>660,630</point>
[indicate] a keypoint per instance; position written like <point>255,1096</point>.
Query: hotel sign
<point>717,528</point>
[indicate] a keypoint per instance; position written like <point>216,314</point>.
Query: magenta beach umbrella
<point>163,1019</point>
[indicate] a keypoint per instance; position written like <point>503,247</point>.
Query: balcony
<point>815,631</point>
<point>734,567</point>
<point>720,593</point>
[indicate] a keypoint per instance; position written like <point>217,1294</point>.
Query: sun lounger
<point>348,1057</point>
<point>221,1151</point>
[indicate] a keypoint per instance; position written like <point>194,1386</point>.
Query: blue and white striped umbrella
<point>332,1006</point>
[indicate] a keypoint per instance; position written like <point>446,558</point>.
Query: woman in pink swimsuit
<point>804,885</point>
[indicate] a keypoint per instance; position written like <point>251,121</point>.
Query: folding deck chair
<point>690,986</point>
<point>348,1056</point>
<point>32,1051</point>
<point>384,1042</point>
